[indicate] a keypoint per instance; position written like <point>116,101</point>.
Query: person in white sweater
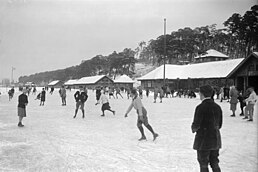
<point>142,115</point>
<point>105,104</point>
<point>250,101</point>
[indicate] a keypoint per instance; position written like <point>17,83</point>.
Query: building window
<point>149,84</point>
<point>251,68</point>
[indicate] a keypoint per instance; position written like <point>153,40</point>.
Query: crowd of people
<point>207,117</point>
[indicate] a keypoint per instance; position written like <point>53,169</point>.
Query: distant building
<point>92,82</point>
<point>191,76</point>
<point>210,55</point>
<point>55,84</point>
<point>246,73</point>
<point>6,82</point>
<point>123,81</point>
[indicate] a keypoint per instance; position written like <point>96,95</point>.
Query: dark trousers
<point>206,157</point>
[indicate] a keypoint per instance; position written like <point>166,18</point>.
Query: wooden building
<point>246,73</point>
<point>92,82</point>
<point>123,81</point>
<point>211,55</point>
<point>191,76</point>
<point>55,84</point>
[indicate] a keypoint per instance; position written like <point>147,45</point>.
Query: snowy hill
<point>142,69</point>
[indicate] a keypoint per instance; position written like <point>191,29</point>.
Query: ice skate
<point>142,138</point>
<point>155,135</point>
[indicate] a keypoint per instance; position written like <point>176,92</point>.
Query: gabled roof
<point>70,82</point>
<point>123,79</point>
<point>255,54</point>
<point>216,69</point>
<point>53,83</point>
<point>212,53</point>
<point>90,79</point>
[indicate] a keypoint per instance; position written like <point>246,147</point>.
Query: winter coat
<point>233,93</point>
<point>206,123</point>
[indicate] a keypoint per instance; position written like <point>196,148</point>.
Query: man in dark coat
<point>207,123</point>
<point>80,98</point>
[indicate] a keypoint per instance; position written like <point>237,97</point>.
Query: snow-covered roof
<point>212,53</point>
<point>70,82</point>
<point>89,79</point>
<point>53,83</point>
<point>216,69</point>
<point>124,79</point>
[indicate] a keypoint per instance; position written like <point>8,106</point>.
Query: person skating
<point>156,92</point>
<point>118,93</point>
<point>105,103</point>
<point>241,102</point>
<point>42,97</point>
<point>142,115</point>
<point>62,93</point>
<point>98,94</point>
<point>22,103</point>
<point>250,101</point>
<point>233,94</point>
<point>206,124</point>
<point>80,98</point>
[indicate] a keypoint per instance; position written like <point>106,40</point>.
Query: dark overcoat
<point>207,123</point>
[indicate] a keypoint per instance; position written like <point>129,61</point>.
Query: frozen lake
<point>53,141</point>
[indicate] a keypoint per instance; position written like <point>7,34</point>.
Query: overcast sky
<point>45,35</point>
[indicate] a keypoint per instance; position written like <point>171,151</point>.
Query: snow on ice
<point>53,141</point>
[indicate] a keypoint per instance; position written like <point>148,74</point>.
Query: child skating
<point>105,104</point>
<point>142,115</point>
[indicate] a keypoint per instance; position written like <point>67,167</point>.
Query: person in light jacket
<point>142,115</point>
<point>250,101</point>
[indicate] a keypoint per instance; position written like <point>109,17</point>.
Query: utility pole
<point>12,81</point>
<point>164,58</point>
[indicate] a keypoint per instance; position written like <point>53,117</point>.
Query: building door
<point>253,82</point>
<point>240,83</point>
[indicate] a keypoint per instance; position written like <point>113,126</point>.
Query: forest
<point>237,39</point>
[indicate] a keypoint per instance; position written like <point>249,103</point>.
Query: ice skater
<point>11,93</point>
<point>142,115</point>
<point>250,101</point>
<point>105,103</point>
<point>207,123</point>
<point>98,94</point>
<point>80,98</point>
<point>22,103</point>
<point>42,97</point>
<point>62,93</point>
<point>118,93</point>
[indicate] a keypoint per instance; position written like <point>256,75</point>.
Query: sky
<point>45,35</point>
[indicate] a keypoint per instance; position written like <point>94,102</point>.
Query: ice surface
<point>53,141</point>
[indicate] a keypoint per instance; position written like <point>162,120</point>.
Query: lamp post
<point>164,58</point>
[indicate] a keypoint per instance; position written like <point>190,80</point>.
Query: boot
<point>20,124</point>
<point>142,138</point>
<point>155,135</point>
